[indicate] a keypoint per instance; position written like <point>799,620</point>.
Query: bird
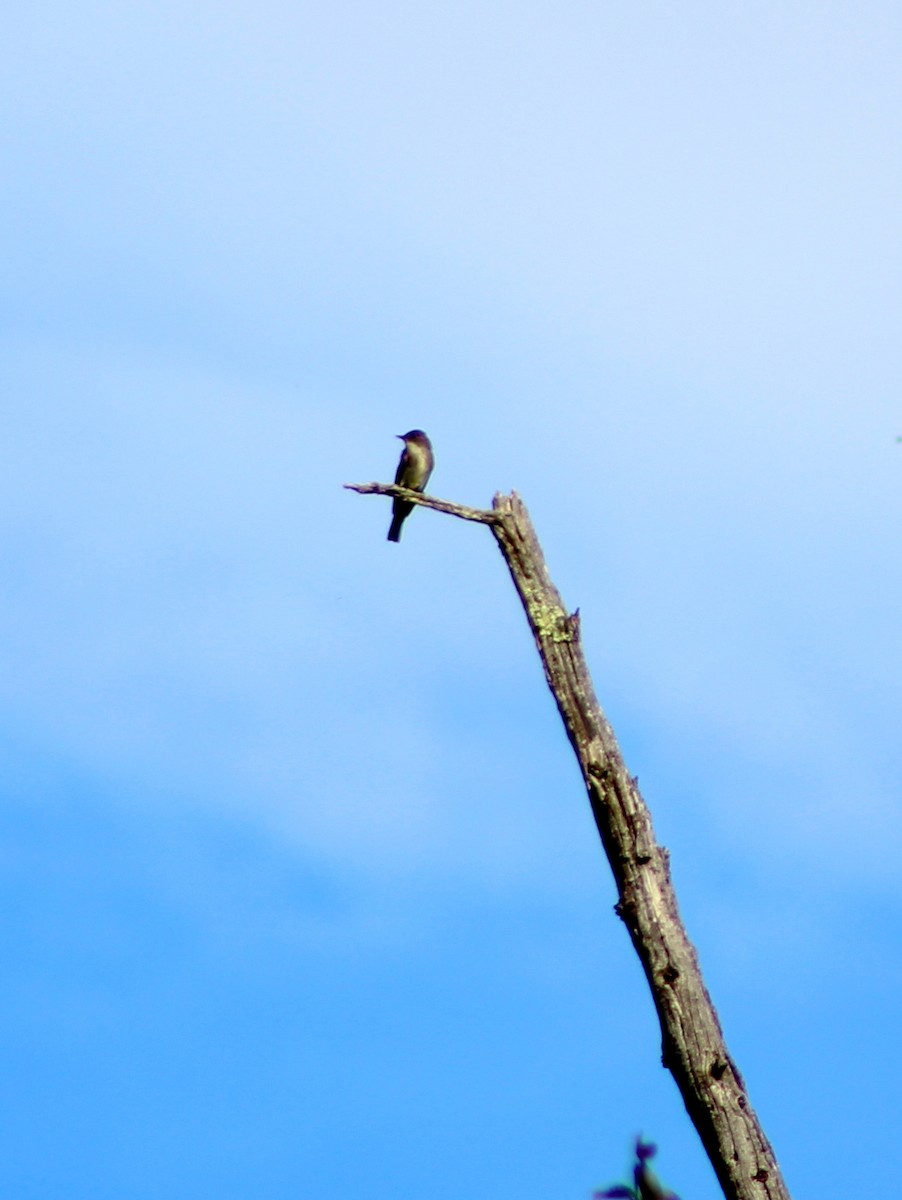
<point>413,472</point>
<point>648,1186</point>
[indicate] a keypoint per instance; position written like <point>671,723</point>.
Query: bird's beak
<point>400,435</point>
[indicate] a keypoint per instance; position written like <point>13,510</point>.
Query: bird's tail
<point>401,510</point>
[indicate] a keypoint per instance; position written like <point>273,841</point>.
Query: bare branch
<point>482,515</point>
<point>693,1047</point>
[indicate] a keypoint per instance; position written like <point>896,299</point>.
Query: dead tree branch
<point>483,515</point>
<point>693,1047</point>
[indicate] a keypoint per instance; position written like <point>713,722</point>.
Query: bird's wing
<point>402,467</point>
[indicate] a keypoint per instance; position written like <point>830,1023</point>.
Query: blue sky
<point>301,890</point>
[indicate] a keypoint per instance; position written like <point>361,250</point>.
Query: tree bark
<point>693,1047</point>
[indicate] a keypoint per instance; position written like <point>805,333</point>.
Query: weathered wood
<point>483,515</point>
<point>693,1047</point>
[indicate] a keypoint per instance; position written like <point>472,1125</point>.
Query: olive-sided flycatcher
<point>413,472</point>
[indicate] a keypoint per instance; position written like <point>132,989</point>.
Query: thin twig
<point>483,515</point>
